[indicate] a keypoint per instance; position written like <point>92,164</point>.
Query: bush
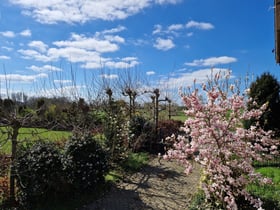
<point>4,164</point>
<point>170,127</point>
<point>4,189</point>
<point>147,140</point>
<point>85,163</point>
<point>40,172</point>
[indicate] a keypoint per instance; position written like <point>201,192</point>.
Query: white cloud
<point>4,57</point>
<point>21,78</point>
<point>33,54</point>
<point>99,44</point>
<point>164,44</point>
<point>7,48</point>
<point>199,25</point>
<point>45,68</point>
<point>59,81</point>
<point>80,48</point>
<point>175,27</point>
<point>9,34</point>
<point>186,79</point>
<point>71,91</point>
<point>109,76</point>
<point>149,73</point>
<point>129,59</point>
<point>157,29</point>
<point>168,1</point>
<point>26,33</point>
<point>121,64</point>
<point>212,61</point>
<point>39,45</point>
<point>77,11</point>
<point>114,30</point>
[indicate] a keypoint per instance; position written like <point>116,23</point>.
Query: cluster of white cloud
<point>21,78</point>
<point>173,30</point>
<point>212,61</point>
<point>12,34</point>
<point>77,11</point>
<point>187,79</point>
<point>164,44</point>
<point>86,50</point>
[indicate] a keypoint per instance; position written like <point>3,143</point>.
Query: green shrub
<point>4,164</point>
<point>135,161</point>
<point>136,125</point>
<point>39,171</point>
<point>85,163</point>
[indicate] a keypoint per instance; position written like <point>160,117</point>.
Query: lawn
<point>268,193</point>
<point>31,134</point>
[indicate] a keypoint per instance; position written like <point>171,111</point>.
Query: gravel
<point>160,185</point>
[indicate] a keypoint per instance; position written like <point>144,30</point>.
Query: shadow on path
<point>157,186</point>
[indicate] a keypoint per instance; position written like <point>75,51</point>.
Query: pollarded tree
<point>266,89</point>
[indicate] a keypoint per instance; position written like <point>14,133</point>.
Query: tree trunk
<point>15,127</point>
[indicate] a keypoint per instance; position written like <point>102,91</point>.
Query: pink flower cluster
<point>224,148</point>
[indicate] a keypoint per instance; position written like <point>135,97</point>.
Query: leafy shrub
<point>40,172</point>
<point>85,163</point>
<point>136,125</point>
<point>4,189</point>
<point>4,164</point>
<point>147,140</point>
<point>169,127</point>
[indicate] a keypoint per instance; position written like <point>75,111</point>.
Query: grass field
<point>30,134</point>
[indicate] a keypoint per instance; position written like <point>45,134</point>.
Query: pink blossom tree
<point>220,143</point>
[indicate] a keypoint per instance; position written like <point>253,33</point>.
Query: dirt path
<point>158,186</point>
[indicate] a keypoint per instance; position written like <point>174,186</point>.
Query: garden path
<point>160,185</point>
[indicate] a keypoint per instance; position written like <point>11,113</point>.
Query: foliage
<point>135,161</point>
<point>4,189</point>
<point>4,164</point>
<point>136,125</point>
<point>39,174</point>
<point>116,131</point>
<point>85,163</point>
<point>221,145</point>
<point>266,89</point>
<point>147,140</point>
<point>169,127</point>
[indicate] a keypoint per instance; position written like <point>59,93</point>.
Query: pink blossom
<point>221,145</point>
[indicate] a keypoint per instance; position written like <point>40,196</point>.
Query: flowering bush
<point>85,163</point>
<point>39,174</point>
<point>221,145</point>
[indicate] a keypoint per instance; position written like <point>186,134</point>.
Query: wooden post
<point>277,29</point>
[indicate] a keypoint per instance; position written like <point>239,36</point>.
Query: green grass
<point>181,116</point>
<point>135,161</point>
<point>31,134</point>
<point>268,193</point>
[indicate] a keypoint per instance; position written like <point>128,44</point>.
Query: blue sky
<point>45,45</point>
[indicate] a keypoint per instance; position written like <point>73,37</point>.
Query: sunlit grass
<point>31,134</point>
<point>268,193</point>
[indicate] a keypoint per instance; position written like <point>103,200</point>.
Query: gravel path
<point>158,186</point>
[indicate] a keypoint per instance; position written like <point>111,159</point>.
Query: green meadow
<point>30,134</point>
